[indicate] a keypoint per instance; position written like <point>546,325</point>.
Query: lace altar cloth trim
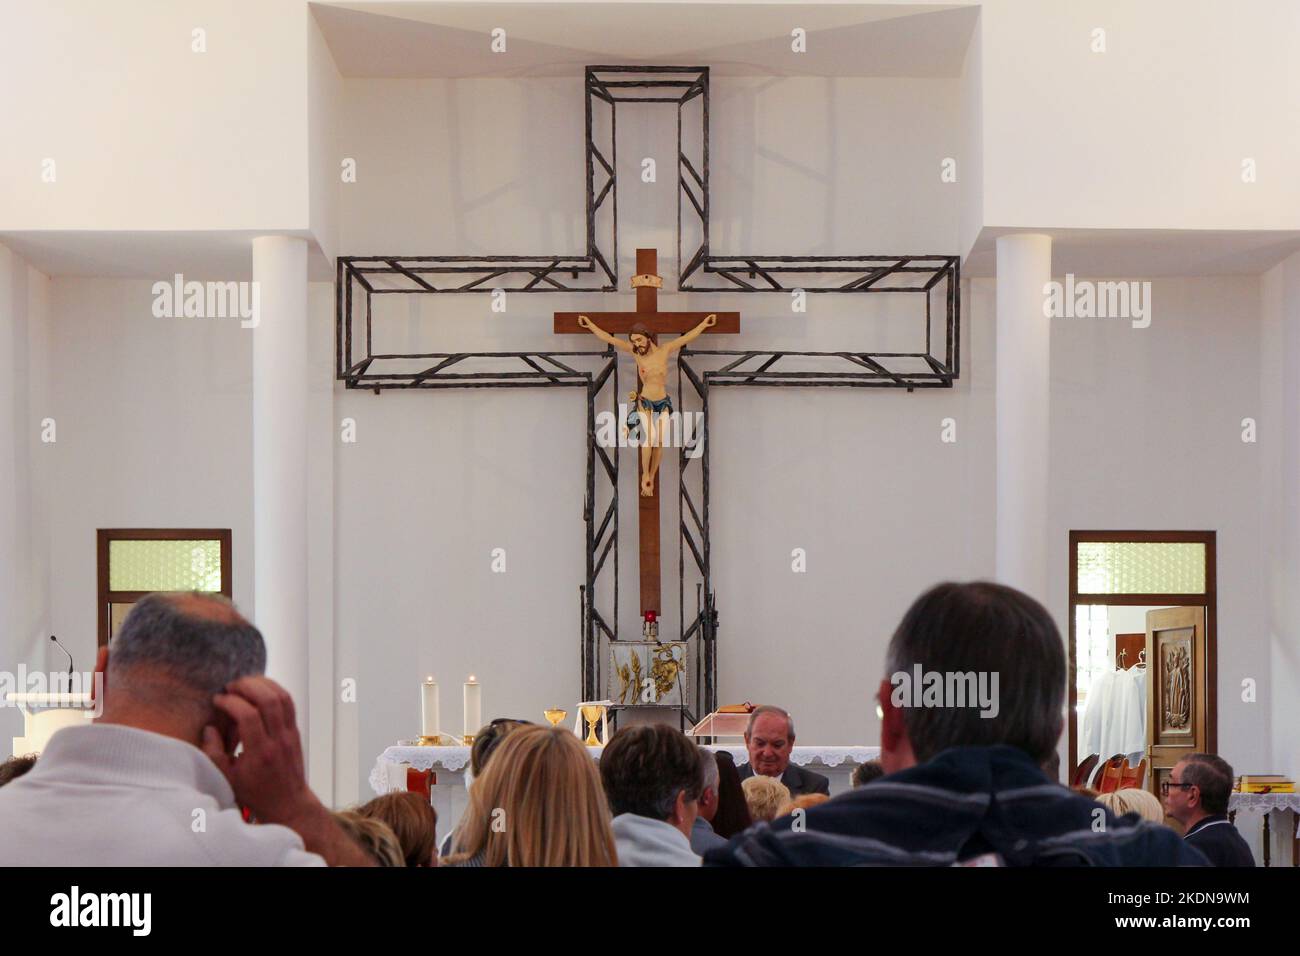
<point>1264,802</point>
<point>383,779</point>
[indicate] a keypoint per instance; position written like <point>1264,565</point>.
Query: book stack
<point>1265,783</point>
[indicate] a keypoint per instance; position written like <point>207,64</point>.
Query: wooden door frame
<point>1208,600</point>
<point>104,535</point>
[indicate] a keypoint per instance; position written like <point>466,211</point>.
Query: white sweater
<point>641,841</point>
<point>110,795</point>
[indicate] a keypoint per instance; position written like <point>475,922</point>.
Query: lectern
<point>43,714</point>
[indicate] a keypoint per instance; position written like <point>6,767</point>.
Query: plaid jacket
<point>968,803</point>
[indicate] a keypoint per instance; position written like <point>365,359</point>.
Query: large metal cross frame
<point>933,279</point>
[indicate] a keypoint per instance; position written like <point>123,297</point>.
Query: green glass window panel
<point>1141,567</point>
<point>150,565</point>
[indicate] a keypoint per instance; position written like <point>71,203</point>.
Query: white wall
<point>1146,434</point>
<point>324,99</point>
<point>327,709</point>
<point>154,421</point>
<point>881,505</point>
<point>1279,425</point>
<point>146,134</point>
<point>970,161</point>
<point>1151,133</point>
<point>798,164</point>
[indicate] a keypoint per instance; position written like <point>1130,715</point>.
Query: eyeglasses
<point>1164,787</point>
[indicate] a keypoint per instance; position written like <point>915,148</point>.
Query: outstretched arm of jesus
<point>687,338</point>
<point>604,336</point>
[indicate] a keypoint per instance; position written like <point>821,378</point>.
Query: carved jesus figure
<point>653,406</point>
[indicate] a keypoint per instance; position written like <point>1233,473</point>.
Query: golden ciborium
<point>555,715</point>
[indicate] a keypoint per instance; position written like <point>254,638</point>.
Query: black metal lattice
<point>359,279</point>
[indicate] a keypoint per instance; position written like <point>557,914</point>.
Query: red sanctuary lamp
<point>650,628</point>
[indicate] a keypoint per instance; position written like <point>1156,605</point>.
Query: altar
<point>1261,831</point>
<point>450,765</point>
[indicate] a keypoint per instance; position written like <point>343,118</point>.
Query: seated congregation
<point>197,761</point>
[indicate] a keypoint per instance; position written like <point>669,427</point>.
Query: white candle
<point>473,705</point>
<point>429,708</point>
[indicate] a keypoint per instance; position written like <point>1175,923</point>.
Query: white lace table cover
<point>384,780</point>
<point>1267,802</point>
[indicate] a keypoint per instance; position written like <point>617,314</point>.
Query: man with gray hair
<point>1196,795</point>
<point>769,738</point>
<point>702,836</point>
<point>156,780</point>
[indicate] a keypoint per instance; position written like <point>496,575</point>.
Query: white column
<point>13,435</point>
<point>280,461</point>
<point>25,479</point>
<point>1023,340</point>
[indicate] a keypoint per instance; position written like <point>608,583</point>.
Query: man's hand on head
<point>268,775</point>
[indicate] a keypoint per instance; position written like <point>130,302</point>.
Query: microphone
<point>65,651</point>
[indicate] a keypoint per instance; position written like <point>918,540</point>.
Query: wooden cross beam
<point>647,310</point>
<point>647,283</point>
<point>661,323</point>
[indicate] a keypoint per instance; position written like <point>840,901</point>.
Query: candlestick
<point>429,708</point>
<point>473,706</point>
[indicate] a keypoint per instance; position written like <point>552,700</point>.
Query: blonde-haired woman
<point>765,796</point>
<point>538,803</point>
<point>374,836</point>
<point>1133,800</point>
<point>805,801</point>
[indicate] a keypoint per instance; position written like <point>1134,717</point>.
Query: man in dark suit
<point>769,737</point>
<point>1196,795</point>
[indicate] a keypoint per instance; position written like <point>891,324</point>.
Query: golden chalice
<point>592,713</point>
<point>555,715</point>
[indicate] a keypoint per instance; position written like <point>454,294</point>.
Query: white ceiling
<point>1119,253</point>
<point>422,39</point>
<point>1147,253</point>
<point>151,255</point>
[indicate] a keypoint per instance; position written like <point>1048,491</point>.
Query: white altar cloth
<point>1280,830</point>
<point>389,772</point>
<point>1265,802</point>
<point>450,795</point>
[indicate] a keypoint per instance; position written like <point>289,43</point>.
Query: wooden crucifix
<point>653,406</point>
